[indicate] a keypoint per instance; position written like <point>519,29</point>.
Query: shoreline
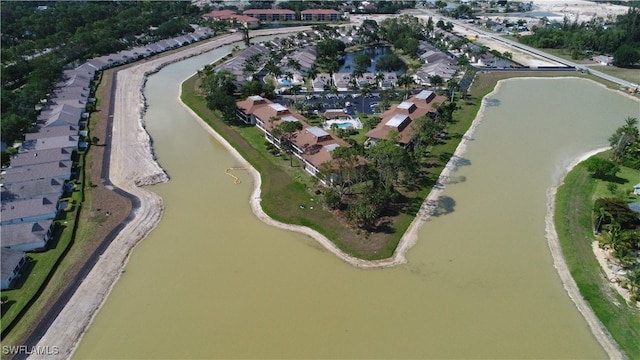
<point>133,165</point>
<point>597,328</point>
<point>129,173</point>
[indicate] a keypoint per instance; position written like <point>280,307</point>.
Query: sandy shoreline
<point>133,165</point>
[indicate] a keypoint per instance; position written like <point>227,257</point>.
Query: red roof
<point>320,11</point>
<point>220,14</point>
<point>228,14</point>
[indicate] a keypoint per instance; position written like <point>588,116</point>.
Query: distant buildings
<point>229,15</point>
<point>251,18</point>
<point>271,14</point>
<point>320,15</point>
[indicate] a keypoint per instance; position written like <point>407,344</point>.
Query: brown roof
<point>400,117</point>
<point>317,144</point>
<point>320,11</point>
<point>219,14</point>
<point>265,109</point>
<point>228,14</point>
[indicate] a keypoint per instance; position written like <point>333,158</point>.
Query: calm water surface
<point>211,281</point>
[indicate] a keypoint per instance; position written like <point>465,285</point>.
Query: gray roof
<point>317,132</point>
<point>26,233</point>
<point>58,169</point>
<point>32,189</point>
<point>60,114</point>
<point>41,157</point>
<point>53,131</point>
<point>24,209</point>
<point>50,143</point>
<point>424,94</point>
<point>10,260</point>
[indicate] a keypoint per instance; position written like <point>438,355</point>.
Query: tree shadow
<point>384,227</point>
<point>6,304</point>
<point>445,205</point>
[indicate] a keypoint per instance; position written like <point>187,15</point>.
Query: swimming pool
<point>345,125</point>
<point>285,81</point>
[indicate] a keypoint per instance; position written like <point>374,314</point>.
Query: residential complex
<point>312,145</point>
<point>41,175</point>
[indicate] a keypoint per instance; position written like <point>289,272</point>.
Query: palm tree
<point>295,89</point>
<point>630,127</point>
<point>295,64</point>
<point>406,81</point>
<point>453,85</point>
<point>365,90</point>
<point>633,276</point>
<point>436,80</point>
<point>379,79</point>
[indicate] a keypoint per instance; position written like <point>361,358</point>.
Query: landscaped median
<point>573,221</point>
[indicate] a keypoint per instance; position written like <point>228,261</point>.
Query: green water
<point>211,281</point>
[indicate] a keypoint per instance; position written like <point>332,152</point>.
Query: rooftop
<point>10,260</point>
<point>317,132</point>
<point>424,94</point>
<point>278,107</point>
<point>18,234</point>
<point>405,105</point>
<point>396,120</point>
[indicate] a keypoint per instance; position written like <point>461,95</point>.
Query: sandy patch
<point>610,268</point>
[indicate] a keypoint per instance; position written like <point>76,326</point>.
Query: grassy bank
<point>285,188</point>
<point>574,202</point>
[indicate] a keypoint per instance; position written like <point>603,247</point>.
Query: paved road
<point>525,48</point>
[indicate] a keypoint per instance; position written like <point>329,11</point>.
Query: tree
<point>618,212</point>
<point>284,131</point>
<point>626,56</point>
<point>332,198</point>
<point>219,88</point>
<point>362,61</point>
<point>602,168</point>
<point>13,127</point>
<point>436,80</point>
<point>625,142</point>
<point>389,160</point>
<point>362,212</point>
<point>406,81</point>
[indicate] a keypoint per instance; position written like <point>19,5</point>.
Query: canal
<point>212,281</point>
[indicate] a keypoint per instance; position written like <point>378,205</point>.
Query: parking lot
<point>352,102</point>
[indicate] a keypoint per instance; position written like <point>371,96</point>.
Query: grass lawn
<point>574,202</point>
<point>631,75</point>
<point>626,179</point>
